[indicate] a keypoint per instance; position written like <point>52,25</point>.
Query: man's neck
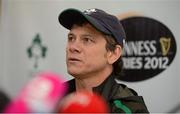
<point>91,81</point>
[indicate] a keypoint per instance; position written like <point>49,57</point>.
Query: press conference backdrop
<point>32,40</point>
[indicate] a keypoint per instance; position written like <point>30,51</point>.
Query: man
<point>93,57</point>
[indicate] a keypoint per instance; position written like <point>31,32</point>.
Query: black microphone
<point>4,100</point>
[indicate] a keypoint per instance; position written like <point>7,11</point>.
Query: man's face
<point>86,52</point>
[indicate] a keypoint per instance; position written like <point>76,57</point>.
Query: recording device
<point>41,94</point>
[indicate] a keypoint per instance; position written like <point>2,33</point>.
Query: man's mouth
<point>73,59</point>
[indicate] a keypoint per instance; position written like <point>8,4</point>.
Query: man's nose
<point>75,46</point>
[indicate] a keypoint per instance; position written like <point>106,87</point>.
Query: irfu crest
<point>36,50</point>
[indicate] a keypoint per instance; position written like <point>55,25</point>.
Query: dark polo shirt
<point>119,97</point>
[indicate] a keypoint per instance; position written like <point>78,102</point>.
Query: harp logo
<point>165,45</point>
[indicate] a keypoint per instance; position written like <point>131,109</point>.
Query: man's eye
<point>86,40</point>
<point>70,38</point>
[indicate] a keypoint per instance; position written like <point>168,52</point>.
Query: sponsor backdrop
<point>31,40</point>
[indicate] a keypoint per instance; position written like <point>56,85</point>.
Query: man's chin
<point>75,74</point>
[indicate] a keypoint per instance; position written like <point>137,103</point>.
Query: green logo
<point>36,50</point>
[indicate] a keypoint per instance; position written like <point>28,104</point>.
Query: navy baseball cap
<point>102,21</point>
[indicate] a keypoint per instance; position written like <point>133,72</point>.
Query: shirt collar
<point>104,89</point>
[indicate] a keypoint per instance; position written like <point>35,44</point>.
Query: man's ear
<point>113,56</point>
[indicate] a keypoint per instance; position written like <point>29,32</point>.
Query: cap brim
<point>70,16</point>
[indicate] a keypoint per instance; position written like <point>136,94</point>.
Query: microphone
<point>41,94</point>
<point>4,100</point>
<point>83,102</point>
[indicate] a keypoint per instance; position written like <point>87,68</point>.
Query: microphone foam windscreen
<point>83,102</point>
<point>41,94</point>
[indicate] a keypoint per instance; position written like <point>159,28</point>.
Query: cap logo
<point>89,11</point>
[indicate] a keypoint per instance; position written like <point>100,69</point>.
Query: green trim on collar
<point>120,105</point>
